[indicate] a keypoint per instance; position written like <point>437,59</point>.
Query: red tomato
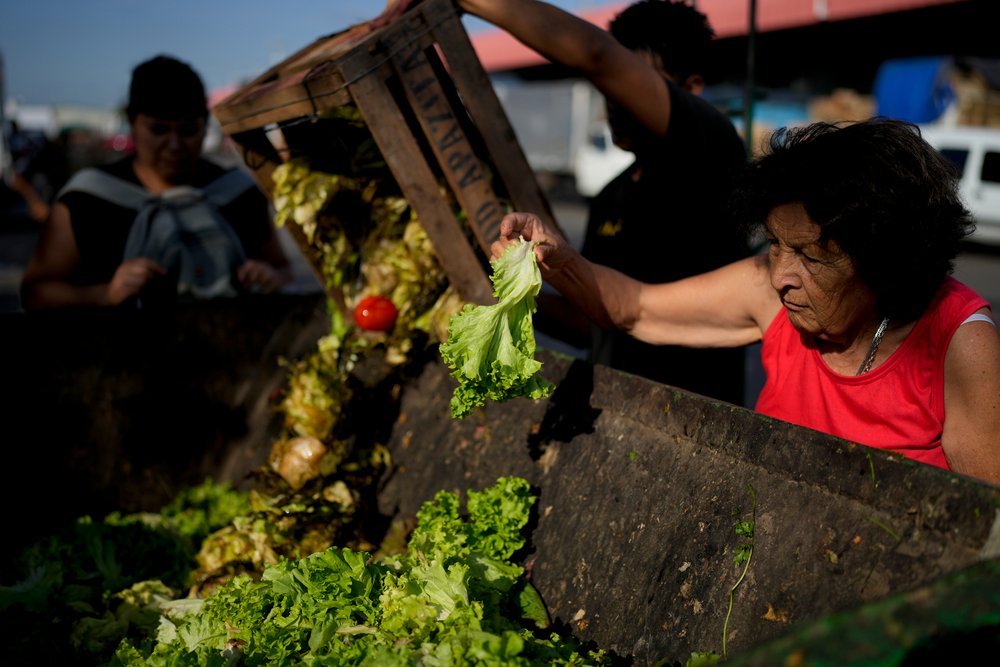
<point>375,313</point>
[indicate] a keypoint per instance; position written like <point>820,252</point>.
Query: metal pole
<point>750,85</point>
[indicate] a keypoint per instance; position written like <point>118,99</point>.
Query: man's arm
<point>621,75</point>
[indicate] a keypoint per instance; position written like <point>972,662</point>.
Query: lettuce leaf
<point>452,599</point>
<point>491,348</point>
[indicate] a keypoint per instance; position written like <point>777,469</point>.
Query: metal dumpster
<point>110,409</point>
<point>641,487</point>
<point>667,523</point>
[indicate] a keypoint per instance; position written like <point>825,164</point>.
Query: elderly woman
<point>866,336</point>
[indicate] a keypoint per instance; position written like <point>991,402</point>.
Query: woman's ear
<point>694,83</point>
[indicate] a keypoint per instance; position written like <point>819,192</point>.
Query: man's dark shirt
<point>671,224</point>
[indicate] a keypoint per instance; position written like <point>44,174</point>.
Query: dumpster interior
<point>634,545</point>
<point>110,410</point>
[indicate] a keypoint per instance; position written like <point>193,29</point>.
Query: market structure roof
<point>498,51</point>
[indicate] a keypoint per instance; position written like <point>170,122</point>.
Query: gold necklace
<point>866,363</point>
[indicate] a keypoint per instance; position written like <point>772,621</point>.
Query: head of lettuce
<point>491,349</point>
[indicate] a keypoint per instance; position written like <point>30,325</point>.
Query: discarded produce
<point>491,348</point>
<point>454,598</point>
<point>375,313</point>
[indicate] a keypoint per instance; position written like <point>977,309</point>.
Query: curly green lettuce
<point>452,599</point>
<point>491,348</point>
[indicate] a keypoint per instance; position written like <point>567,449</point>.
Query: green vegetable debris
<point>491,348</point>
<point>454,598</point>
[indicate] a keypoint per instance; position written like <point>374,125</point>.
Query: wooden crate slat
<point>419,185</point>
<point>295,67</point>
<point>303,97</point>
<point>308,82</point>
<point>462,168</point>
<point>480,97</point>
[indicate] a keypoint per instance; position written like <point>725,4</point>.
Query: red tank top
<point>898,406</point>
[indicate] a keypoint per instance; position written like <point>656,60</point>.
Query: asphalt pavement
<point>979,268</point>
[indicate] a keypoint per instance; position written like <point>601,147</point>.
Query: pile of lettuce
<point>363,238</point>
<point>454,598</point>
<point>491,348</point>
<point>70,597</point>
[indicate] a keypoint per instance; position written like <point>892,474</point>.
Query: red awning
<point>730,18</point>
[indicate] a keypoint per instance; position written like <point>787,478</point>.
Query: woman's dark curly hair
<point>165,87</point>
<point>673,29</point>
<point>877,189</point>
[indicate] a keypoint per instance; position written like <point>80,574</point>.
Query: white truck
<point>562,129</point>
<point>976,153</point>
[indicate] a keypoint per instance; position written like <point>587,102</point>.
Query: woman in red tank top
<point>865,334</point>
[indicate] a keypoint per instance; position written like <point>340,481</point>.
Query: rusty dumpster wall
<point>111,409</point>
<point>640,485</point>
<point>640,489</point>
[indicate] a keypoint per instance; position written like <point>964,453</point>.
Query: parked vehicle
<point>598,160</point>
<point>976,153</point>
<point>561,127</point>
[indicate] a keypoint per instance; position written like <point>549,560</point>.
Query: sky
<point>81,52</point>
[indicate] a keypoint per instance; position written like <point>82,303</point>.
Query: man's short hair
<point>674,30</point>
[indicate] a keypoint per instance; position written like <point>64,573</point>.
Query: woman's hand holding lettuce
<point>491,349</point>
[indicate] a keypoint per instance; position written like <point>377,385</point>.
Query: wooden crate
<point>433,113</point>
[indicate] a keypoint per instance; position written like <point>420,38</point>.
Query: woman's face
<point>817,283</point>
<point>169,147</point>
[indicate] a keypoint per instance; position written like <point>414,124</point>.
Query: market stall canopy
<point>498,51</point>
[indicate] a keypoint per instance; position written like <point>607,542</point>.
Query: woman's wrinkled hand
<point>131,277</point>
<point>551,249</point>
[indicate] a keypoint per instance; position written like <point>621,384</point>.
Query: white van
<point>598,160</point>
<point>976,152</point>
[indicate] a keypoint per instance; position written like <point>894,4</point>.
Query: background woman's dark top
<point>101,227</point>
<point>672,224</point>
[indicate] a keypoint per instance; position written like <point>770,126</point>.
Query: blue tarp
<point>914,89</point>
